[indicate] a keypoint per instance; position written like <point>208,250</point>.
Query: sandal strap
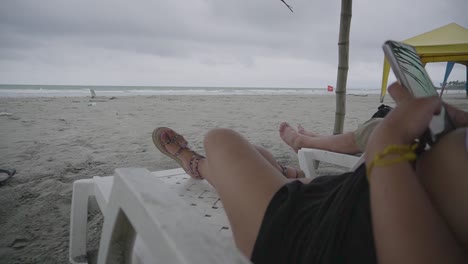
<point>170,140</point>
<point>193,165</point>
<point>179,151</point>
<point>297,173</point>
<point>284,170</point>
<point>174,140</point>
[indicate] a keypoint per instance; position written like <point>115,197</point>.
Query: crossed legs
<point>245,182</point>
<point>245,176</point>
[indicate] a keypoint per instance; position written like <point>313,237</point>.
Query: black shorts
<point>325,221</point>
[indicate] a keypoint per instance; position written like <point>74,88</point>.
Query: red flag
<point>330,88</point>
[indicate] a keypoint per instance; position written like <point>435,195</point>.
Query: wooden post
<point>343,58</point>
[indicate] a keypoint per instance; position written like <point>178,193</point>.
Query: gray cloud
<point>254,40</point>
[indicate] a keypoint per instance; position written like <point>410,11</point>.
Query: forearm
<point>407,228</point>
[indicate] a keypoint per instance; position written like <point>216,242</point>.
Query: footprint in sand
<point>19,243</point>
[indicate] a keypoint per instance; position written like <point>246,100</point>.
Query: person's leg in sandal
<point>244,178</point>
<point>163,136</point>
<point>287,171</point>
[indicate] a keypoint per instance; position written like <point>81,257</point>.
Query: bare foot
<point>302,131</point>
<point>289,135</point>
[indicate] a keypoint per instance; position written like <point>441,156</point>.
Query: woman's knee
<point>220,137</point>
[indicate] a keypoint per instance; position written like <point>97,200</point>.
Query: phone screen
<point>411,73</point>
<point>418,81</point>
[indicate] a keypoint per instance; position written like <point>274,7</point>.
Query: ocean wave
<point>83,92</point>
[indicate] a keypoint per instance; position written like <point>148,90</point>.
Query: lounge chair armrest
<point>309,157</point>
<point>170,229</point>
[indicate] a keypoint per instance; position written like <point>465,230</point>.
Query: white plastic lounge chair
<point>309,159</point>
<point>176,219</point>
<point>161,205</point>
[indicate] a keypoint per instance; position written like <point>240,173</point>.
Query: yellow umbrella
<point>444,44</point>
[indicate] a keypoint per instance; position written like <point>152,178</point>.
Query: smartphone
<point>410,72</point>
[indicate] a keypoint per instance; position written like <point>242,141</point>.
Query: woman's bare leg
<point>291,173</point>
<point>342,143</point>
<point>244,179</point>
<point>301,130</point>
<point>443,172</point>
<point>245,182</point>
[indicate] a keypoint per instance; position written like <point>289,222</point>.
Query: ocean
<point>9,90</point>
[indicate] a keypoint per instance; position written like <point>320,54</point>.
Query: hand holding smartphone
<point>410,72</point>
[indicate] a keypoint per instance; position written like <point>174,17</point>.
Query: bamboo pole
<point>343,58</point>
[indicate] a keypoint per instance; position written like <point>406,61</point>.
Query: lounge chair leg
<point>316,164</point>
<point>117,240</point>
<point>171,230</point>
<point>307,164</point>
<point>118,235</point>
<point>82,190</point>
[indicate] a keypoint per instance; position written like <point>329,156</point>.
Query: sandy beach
<point>52,142</point>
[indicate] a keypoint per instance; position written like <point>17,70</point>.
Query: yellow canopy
<point>444,44</point>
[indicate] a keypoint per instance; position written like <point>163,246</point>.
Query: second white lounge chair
<point>309,159</point>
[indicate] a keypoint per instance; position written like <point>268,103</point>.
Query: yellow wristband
<point>404,152</point>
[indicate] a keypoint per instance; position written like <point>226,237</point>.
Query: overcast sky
<point>208,42</point>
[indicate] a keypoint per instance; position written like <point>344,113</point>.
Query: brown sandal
<point>174,139</point>
<point>192,169</point>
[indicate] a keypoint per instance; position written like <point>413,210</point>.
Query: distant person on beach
<point>387,211</point>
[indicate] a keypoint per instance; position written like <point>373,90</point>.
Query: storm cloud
<point>207,42</point>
